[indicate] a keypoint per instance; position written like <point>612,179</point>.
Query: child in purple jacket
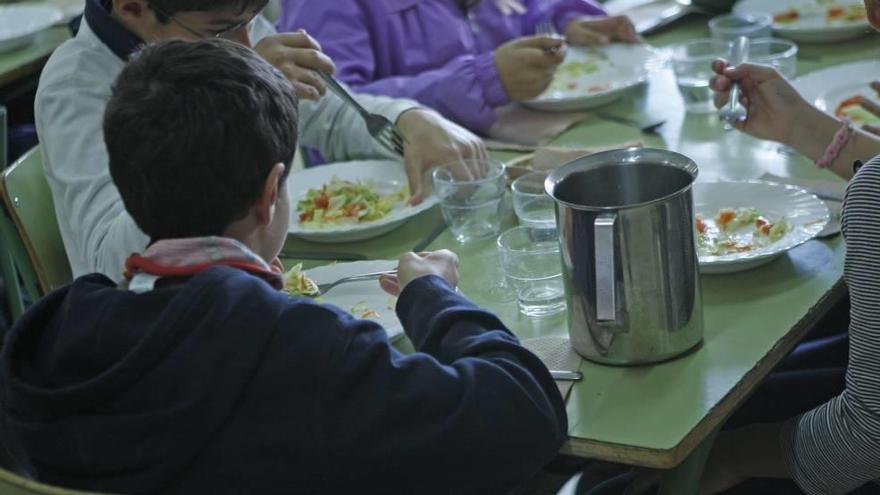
<point>465,58</point>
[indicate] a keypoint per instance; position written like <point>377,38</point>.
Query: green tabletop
<point>657,415</point>
<point>29,60</point>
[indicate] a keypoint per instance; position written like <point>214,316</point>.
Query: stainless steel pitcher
<point>626,232</point>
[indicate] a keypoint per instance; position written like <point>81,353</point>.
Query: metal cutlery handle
<point>573,376</point>
<point>323,288</point>
<point>337,88</point>
<point>739,55</point>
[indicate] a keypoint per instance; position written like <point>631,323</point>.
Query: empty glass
<point>533,207</point>
<point>692,64</point>
<point>471,205</point>
<point>530,261</point>
<point>729,27</point>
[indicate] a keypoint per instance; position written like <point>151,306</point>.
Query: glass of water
<point>692,63</point>
<point>471,196</point>
<point>728,27</point>
<point>777,53</point>
<point>533,207</point>
<point>530,261</point>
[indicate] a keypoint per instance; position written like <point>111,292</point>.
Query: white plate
<point>367,293</point>
<point>806,213</point>
<point>19,24</point>
<point>387,176</point>
<point>620,67</point>
<point>826,88</point>
<point>811,28</point>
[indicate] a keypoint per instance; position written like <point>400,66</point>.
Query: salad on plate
<point>341,202</point>
<point>737,230</point>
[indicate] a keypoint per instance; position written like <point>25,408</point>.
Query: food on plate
<point>787,16</point>
<point>832,13</point>
<point>569,73</point>
<point>852,109</point>
<point>297,283</point>
<point>737,230</point>
<point>362,310</point>
<point>341,202</point>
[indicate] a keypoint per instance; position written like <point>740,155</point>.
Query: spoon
<point>734,111</point>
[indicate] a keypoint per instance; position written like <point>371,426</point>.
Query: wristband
<point>841,137</point>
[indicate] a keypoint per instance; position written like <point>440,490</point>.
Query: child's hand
<point>298,56</point>
<point>443,263</point>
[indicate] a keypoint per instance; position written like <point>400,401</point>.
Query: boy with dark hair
<point>198,375</point>
<point>74,87</point>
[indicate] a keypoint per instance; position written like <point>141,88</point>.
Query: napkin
<point>517,124</point>
<point>830,191</point>
<point>550,157</point>
<point>557,354</point>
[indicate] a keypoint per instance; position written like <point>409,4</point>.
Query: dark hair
<point>172,7</point>
<point>193,130</point>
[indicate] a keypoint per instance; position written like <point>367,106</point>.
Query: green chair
<point>30,230</point>
<point>13,484</point>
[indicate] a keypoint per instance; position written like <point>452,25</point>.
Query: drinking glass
<point>471,204</point>
<point>692,64</point>
<point>777,53</point>
<point>530,261</point>
<point>729,27</point>
<point>533,207</point>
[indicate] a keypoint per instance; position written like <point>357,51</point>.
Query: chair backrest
<point>13,484</point>
<point>28,201</point>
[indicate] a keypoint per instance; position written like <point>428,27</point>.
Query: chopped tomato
<point>701,225</point>
<point>786,16</point>
<point>322,201</point>
<point>849,102</point>
<point>725,216</point>
<point>834,12</point>
<point>763,225</point>
<point>306,216</point>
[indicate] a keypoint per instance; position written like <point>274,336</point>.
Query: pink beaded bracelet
<point>841,137</point>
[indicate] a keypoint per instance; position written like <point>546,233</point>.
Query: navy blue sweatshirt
<point>222,384</point>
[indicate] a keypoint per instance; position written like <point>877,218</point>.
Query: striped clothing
<point>835,448</point>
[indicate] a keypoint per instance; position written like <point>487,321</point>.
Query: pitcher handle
<point>606,286</point>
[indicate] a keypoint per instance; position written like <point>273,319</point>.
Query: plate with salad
<point>839,90</point>
<point>592,77</point>
<point>811,21</point>
<point>364,300</point>
<point>743,224</point>
<point>350,201</point>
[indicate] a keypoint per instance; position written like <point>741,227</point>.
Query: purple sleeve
<point>466,89</point>
<point>559,12</point>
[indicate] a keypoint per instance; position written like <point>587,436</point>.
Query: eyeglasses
<point>228,33</point>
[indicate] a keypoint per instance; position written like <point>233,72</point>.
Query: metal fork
<point>383,130</point>
<point>323,288</point>
<point>547,29</point>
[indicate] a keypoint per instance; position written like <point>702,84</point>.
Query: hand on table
<point>593,31</point>
<point>774,106</point>
<point>443,263</point>
<point>298,56</point>
<point>432,140</point>
<point>526,65</point>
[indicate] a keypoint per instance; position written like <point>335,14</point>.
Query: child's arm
<point>98,232</point>
<point>834,448</point>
